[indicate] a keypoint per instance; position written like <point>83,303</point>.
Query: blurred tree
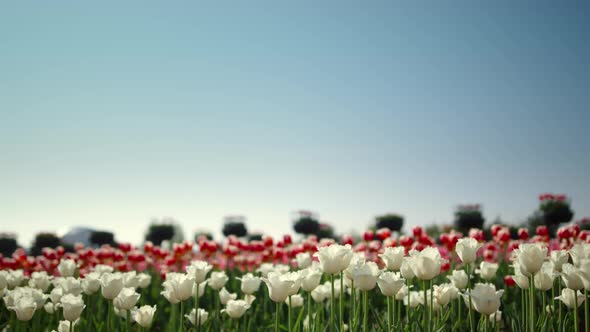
<point>394,222</point>
<point>44,240</point>
<point>555,210</point>
<point>326,231</point>
<point>157,233</point>
<point>8,244</point>
<point>203,233</point>
<point>235,225</point>
<point>468,217</point>
<point>306,223</point>
<point>255,237</point>
<point>100,238</point>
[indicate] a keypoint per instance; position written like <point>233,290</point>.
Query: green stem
<point>430,306</point>
<point>533,323</point>
<point>576,311</point>
<point>341,301</point>
<point>309,318</point>
<point>468,268</point>
<point>425,316</point>
<point>289,314</point>
<point>128,320</point>
<point>277,316</point>
<point>352,306</point>
<point>109,315</point>
<point>586,319</point>
<point>332,304</point>
<point>182,316</point>
<point>408,306</point>
<point>388,313</point>
<point>198,317</point>
<point>365,311</point>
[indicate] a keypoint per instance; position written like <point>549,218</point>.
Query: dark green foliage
<point>326,232</point>
<point>255,237</point>
<point>159,232</point>
<point>7,245</point>
<point>393,222</point>
<point>207,235</point>
<point>101,237</point>
<point>44,240</point>
<point>468,217</point>
<point>234,228</point>
<point>306,225</point>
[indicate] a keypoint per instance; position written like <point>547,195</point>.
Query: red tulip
<point>523,234</point>
<point>417,231</point>
<point>368,236</point>
<point>509,281</point>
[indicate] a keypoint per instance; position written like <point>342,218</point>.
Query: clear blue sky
<point>114,112</point>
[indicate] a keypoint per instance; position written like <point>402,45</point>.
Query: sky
<point>113,113</point>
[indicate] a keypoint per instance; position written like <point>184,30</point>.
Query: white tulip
<point>530,256</point>
<point>72,286</point>
<point>177,287</point>
<point>459,279</point>
<point>91,283</point>
<point>303,260</point>
<point>320,293</point>
<point>39,280</point>
<point>130,279</point>
<point>67,268</point>
<point>393,257</point>
<point>24,307</point>
<point>406,268</point>
<point>485,298</point>
<point>466,249</point>
<point>55,295</point>
<point>334,258</point>
<point>14,278</point>
<point>415,299</point>
<point>64,326</point>
<point>296,301</point>
<point>521,280</point>
<point>49,308</point>
<point>487,270</point>
<point>390,283</point>
<point>402,293</point>
<point>111,284</point>
<point>558,258</point>
<point>217,280</point>
<point>444,293</point>
<point>426,263</point>
<point>126,299</point>
<point>144,315</point>
<point>249,298</point>
<point>198,270</point>
<point>72,306</point>
<point>236,308</point>
<point>225,296</point>
<point>3,280</point>
<point>144,280</point>
<point>265,268</point>
<point>572,277</point>
<point>569,297</point>
<point>310,278</point>
<point>102,269</point>
<point>279,285</point>
<point>201,288</point>
<point>201,317</point>
<point>545,277</point>
<point>579,252</point>
<point>249,283</point>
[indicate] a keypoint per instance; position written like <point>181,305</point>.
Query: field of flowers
<point>382,283</point>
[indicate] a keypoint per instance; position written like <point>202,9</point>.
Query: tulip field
<point>383,282</point>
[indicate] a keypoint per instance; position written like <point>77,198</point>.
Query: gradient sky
<point>115,112</point>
